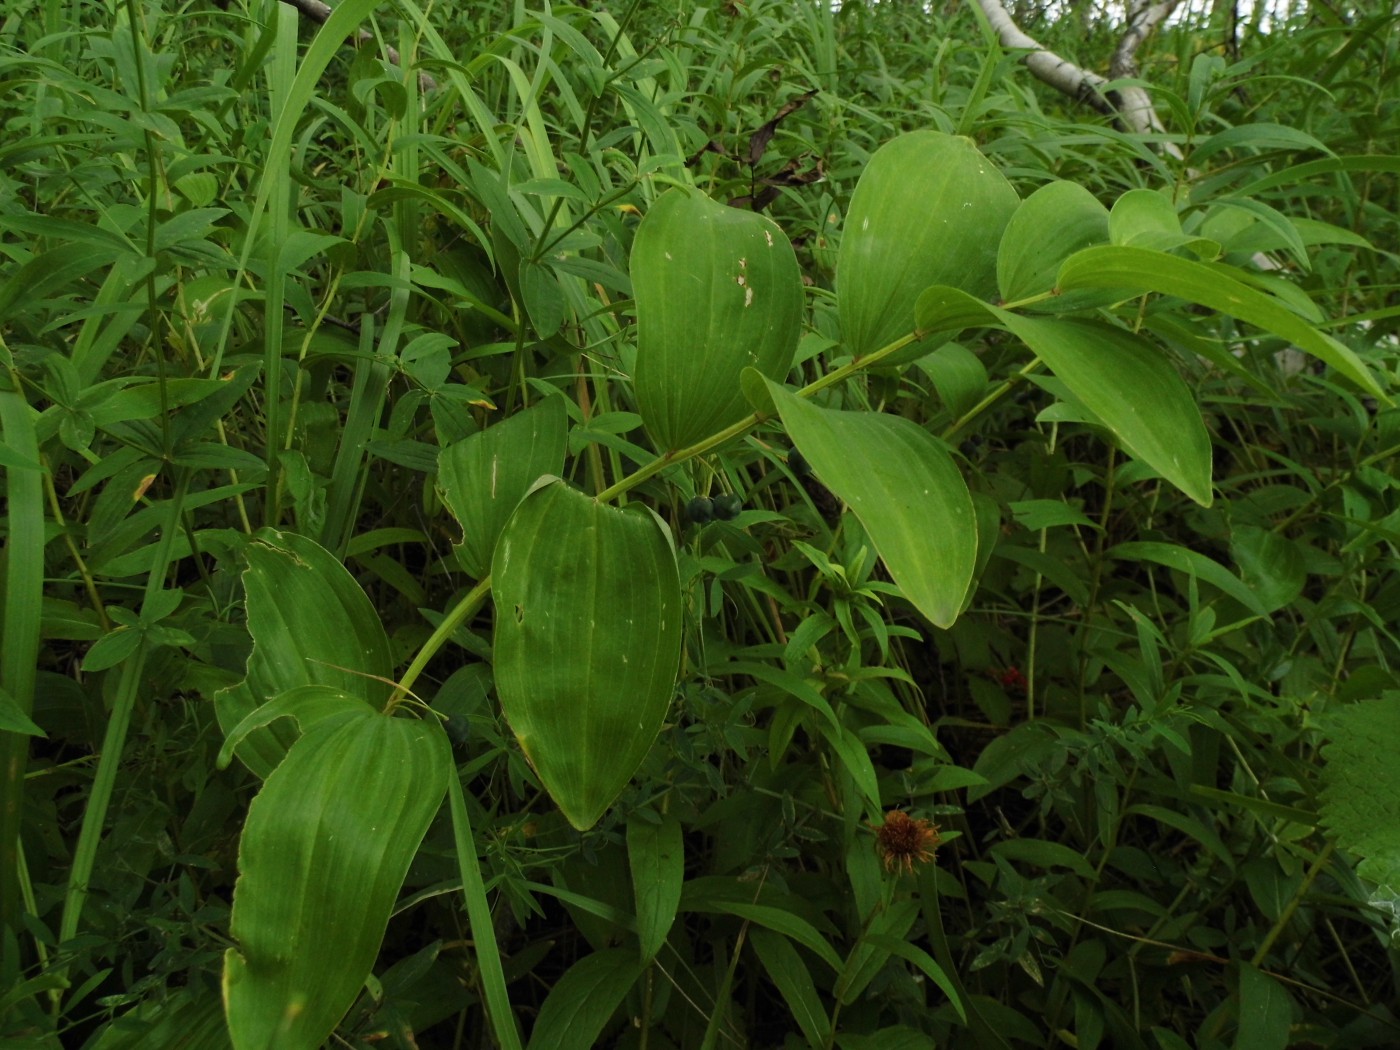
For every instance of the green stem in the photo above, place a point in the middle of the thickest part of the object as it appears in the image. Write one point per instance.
(465, 609)
(1299, 894)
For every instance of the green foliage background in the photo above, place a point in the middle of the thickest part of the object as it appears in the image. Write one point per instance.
(259, 287)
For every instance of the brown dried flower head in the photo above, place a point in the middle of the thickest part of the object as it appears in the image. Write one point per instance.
(904, 841)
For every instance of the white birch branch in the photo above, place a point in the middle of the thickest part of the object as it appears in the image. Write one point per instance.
(1131, 105)
(317, 12)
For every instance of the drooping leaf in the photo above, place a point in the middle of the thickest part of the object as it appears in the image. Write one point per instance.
(485, 475)
(657, 856)
(325, 848)
(1135, 271)
(587, 641)
(905, 489)
(928, 209)
(718, 290)
(957, 374)
(1120, 378)
(786, 969)
(1133, 389)
(311, 625)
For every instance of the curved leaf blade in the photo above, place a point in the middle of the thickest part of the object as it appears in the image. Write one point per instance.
(1119, 377)
(580, 1004)
(485, 475)
(311, 625)
(905, 489)
(786, 969)
(1133, 389)
(1054, 222)
(1135, 271)
(327, 843)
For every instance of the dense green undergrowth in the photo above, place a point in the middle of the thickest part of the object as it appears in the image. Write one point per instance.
(289, 331)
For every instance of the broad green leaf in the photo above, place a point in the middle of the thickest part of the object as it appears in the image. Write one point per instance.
(580, 1003)
(1136, 271)
(306, 705)
(311, 625)
(587, 642)
(928, 209)
(484, 476)
(718, 290)
(1133, 389)
(1125, 382)
(957, 374)
(657, 856)
(786, 969)
(1050, 225)
(1266, 1014)
(186, 1019)
(905, 489)
(1361, 792)
(325, 848)
(1146, 219)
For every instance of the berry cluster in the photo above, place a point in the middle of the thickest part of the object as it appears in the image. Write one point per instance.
(725, 508)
